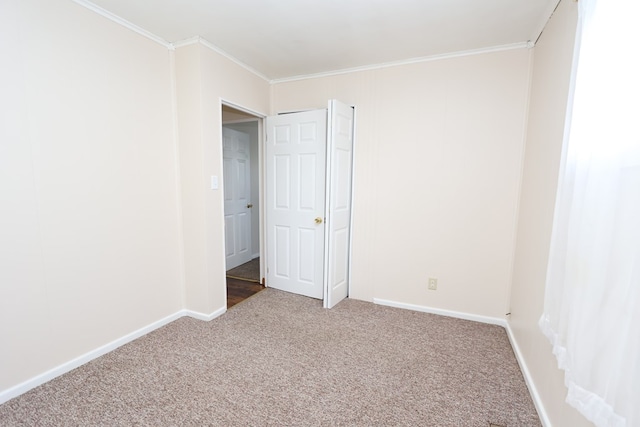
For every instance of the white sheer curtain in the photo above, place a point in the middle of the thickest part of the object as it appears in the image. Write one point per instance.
(592, 301)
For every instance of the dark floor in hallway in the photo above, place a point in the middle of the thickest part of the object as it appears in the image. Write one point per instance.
(239, 290)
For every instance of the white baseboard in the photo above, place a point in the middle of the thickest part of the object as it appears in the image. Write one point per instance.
(25, 386)
(17, 390)
(449, 313)
(535, 396)
(205, 317)
(533, 391)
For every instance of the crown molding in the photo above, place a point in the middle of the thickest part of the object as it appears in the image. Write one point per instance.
(118, 20)
(171, 46)
(550, 9)
(199, 40)
(186, 42)
(216, 49)
(405, 62)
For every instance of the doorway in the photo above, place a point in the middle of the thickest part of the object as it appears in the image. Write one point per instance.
(318, 249)
(309, 171)
(241, 168)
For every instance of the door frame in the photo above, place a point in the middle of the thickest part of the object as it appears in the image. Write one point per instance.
(260, 117)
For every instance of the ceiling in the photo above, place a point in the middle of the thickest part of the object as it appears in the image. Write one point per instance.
(286, 38)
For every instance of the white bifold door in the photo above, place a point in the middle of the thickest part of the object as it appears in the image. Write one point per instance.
(237, 197)
(309, 158)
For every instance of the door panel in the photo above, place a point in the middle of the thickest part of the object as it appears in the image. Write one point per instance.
(307, 180)
(339, 182)
(281, 255)
(237, 197)
(307, 239)
(282, 187)
(295, 191)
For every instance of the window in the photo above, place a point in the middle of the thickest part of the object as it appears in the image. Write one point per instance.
(592, 300)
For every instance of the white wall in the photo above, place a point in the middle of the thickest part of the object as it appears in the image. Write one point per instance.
(93, 220)
(549, 91)
(204, 79)
(437, 169)
(88, 214)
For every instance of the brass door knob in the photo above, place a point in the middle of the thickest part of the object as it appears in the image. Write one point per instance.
(250, 205)
(318, 220)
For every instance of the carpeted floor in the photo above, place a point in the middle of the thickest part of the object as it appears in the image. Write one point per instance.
(279, 359)
(248, 271)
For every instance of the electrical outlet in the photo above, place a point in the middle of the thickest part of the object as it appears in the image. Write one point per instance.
(433, 283)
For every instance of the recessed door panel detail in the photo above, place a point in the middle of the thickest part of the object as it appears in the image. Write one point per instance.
(306, 249)
(282, 134)
(230, 241)
(243, 185)
(340, 257)
(227, 142)
(228, 166)
(307, 182)
(308, 133)
(282, 182)
(244, 227)
(342, 193)
(344, 126)
(282, 241)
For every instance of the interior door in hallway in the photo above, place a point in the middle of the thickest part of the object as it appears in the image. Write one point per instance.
(237, 197)
(295, 201)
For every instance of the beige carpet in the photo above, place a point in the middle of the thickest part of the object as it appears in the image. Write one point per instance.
(249, 271)
(279, 359)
